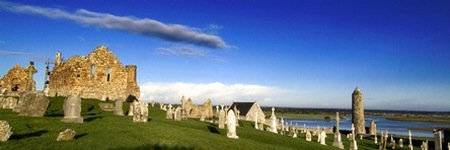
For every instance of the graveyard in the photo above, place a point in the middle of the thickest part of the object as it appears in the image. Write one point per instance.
(105, 130)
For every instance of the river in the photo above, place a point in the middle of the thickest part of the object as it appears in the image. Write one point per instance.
(394, 127)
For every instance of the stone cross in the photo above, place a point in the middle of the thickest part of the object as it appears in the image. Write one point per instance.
(353, 144)
(392, 142)
(231, 125)
(273, 124)
(337, 135)
(169, 112)
(72, 109)
(437, 140)
(282, 126)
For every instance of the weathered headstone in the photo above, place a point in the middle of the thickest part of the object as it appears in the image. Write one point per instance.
(26, 95)
(323, 137)
(5, 131)
(222, 119)
(373, 128)
(118, 108)
(169, 112)
(106, 106)
(231, 125)
(376, 139)
(392, 142)
(424, 145)
(140, 111)
(34, 105)
(308, 136)
(337, 135)
(72, 109)
(353, 143)
(177, 115)
(410, 140)
(8, 102)
(437, 140)
(400, 142)
(66, 135)
(130, 110)
(273, 123)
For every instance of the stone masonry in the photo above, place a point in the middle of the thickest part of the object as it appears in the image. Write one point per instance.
(358, 111)
(99, 75)
(18, 80)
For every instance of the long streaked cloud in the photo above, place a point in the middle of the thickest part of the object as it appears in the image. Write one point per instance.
(218, 92)
(145, 26)
(29, 56)
(181, 51)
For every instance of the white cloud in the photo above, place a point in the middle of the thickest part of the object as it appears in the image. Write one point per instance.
(181, 51)
(145, 26)
(219, 93)
(26, 55)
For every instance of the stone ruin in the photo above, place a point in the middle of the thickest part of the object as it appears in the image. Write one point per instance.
(8, 102)
(140, 111)
(5, 131)
(18, 80)
(196, 111)
(358, 111)
(32, 104)
(100, 75)
(72, 109)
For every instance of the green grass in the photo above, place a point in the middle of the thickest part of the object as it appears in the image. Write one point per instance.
(104, 130)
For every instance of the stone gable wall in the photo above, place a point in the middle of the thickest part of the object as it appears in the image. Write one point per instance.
(15, 76)
(88, 76)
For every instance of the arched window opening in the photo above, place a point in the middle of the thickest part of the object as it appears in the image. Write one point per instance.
(108, 74)
(92, 70)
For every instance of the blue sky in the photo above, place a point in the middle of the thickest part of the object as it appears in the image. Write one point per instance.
(279, 53)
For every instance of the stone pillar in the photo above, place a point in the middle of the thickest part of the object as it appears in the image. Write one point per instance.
(358, 112)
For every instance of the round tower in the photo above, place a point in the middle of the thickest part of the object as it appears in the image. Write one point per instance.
(358, 111)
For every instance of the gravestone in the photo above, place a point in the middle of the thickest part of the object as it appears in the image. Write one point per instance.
(34, 105)
(8, 102)
(308, 136)
(177, 115)
(153, 103)
(282, 126)
(410, 140)
(337, 134)
(424, 145)
(392, 142)
(400, 143)
(5, 131)
(273, 123)
(373, 128)
(72, 109)
(376, 139)
(323, 137)
(118, 108)
(222, 119)
(231, 125)
(437, 140)
(66, 135)
(106, 106)
(140, 111)
(26, 95)
(169, 113)
(353, 143)
(130, 109)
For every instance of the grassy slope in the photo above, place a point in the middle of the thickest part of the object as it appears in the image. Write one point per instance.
(103, 130)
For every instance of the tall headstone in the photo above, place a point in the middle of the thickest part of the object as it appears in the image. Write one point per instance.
(392, 142)
(169, 113)
(282, 125)
(177, 114)
(130, 110)
(140, 111)
(337, 135)
(35, 105)
(358, 111)
(118, 108)
(424, 145)
(222, 118)
(231, 125)
(308, 136)
(353, 143)
(72, 109)
(400, 143)
(410, 140)
(437, 140)
(5, 131)
(323, 137)
(373, 128)
(376, 139)
(273, 122)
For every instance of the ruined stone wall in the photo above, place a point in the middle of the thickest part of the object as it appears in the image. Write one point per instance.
(99, 75)
(17, 81)
(358, 112)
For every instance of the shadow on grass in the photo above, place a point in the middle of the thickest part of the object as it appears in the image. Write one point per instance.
(54, 113)
(91, 108)
(149, 119)
(27, 135)
(89, 119)
(80, 135)
(157, 147)
(213, 129)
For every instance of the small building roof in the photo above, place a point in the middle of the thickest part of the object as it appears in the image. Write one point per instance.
(243, 107)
